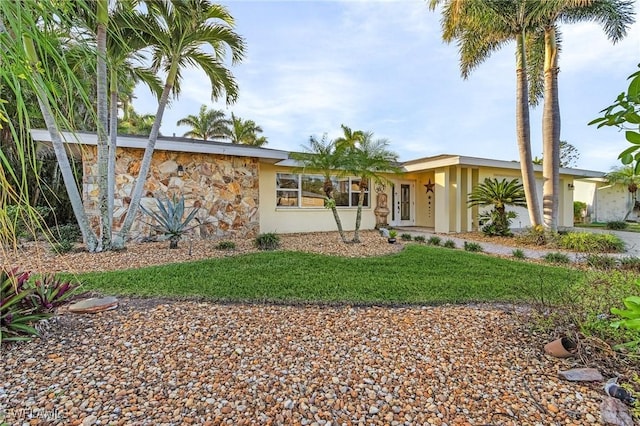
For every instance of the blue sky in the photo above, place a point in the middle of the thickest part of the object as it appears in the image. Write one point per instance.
(381, 66)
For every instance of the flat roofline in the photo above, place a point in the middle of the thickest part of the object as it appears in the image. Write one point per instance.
(168, 144)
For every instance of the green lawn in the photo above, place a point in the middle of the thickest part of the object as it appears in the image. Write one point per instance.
(418, 274)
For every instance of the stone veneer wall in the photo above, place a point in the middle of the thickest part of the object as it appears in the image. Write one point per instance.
(224, 188)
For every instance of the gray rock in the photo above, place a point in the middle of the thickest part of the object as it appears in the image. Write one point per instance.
(614, 412)
(93, 305)
(581, 375)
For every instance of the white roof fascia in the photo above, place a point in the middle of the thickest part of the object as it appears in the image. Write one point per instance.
(168, 145)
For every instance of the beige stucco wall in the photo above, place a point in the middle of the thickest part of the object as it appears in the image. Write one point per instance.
(225, 190)
(605, 202)
(309, 219)
(565, 198)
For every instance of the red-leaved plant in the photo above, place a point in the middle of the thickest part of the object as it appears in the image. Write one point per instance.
(23, 302)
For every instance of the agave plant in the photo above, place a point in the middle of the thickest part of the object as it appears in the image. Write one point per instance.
(169, 219)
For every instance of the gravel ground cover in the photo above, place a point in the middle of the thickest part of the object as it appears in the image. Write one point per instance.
(37, 256)
(159, 362)
(164, 362)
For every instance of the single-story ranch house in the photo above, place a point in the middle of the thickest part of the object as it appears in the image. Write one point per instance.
(244, 190)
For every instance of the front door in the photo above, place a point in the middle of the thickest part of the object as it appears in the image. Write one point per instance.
(403, 202)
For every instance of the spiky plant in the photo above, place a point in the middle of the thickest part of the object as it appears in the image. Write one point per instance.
(169, 219)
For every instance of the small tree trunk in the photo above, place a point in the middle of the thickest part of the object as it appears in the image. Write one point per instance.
(356, 234)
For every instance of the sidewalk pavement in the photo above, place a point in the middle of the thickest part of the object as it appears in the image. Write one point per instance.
(631, 240)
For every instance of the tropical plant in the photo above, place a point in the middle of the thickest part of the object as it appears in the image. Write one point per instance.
(626, 175)
(226, 245)
(406, 237)
(629, 318)
(615, 16)
(325, 157)
(579, 209)
(556, 257)
(434, 240)
(177, 32)
(616, 225)
(472, 247)
(368, 159)
(420, 239)
(23, 54)
(25, 302)
(208, 124)
(170, 220)
(518, 254)
(624, 114)
(590, 242)
(245, 132)
(482, 27)
(449, 244)
(136, 124)
(499, 195)
(267, 241)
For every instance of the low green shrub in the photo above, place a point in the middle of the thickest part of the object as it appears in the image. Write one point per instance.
(472, 247)
(535, 235)
(226, 245)
(26, 301)
(518, 254)
(601, 261)
(434, 240)
(595, 302)
(616, 225)
(589, 242)
(419, 238)
(268, 241)
(62, 246)
(406, 237)
(555, 257)
(26, 222)
(449, 244)
(69, 232)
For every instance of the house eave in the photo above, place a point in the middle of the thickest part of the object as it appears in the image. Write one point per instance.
(168, 144)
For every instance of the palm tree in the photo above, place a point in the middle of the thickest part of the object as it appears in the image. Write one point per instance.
(177, 30)
(245, 132)
(19, 51)
(482, 27)
(322, 156)
(349, 138)
(136, 124)
(615, 16)
(626, 175)
(498, 194)
(368, 159)
(208, 124)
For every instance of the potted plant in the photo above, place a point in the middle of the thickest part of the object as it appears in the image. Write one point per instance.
(392, 236)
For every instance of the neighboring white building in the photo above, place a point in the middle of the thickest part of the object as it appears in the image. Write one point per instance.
(605, 202)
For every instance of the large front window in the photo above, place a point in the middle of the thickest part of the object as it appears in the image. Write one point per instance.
(300, 190)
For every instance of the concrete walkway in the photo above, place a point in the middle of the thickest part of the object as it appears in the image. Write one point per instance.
(631, 240)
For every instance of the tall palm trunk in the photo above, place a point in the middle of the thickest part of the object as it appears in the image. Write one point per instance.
(121, 237)
(523, 134)
(551, 131)
(113, 136)
(102, 124)
(89, 237)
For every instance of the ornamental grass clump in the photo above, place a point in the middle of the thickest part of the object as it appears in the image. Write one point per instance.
(268, 241)
(434, 240)
(25, 301)
(589, 242)
(406, 237)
